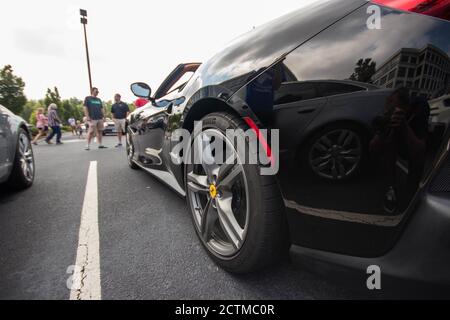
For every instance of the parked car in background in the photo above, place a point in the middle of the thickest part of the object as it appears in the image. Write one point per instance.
(354, 188)
(109, 127)
(17, 168)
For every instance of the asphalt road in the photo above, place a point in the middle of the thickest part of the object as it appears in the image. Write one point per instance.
(148, 247)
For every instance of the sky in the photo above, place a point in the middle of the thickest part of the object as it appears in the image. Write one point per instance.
(129, 40)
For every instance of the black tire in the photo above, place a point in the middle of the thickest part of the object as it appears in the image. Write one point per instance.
(266, 240)
(305, 151)
(130, 148)
(18, 179)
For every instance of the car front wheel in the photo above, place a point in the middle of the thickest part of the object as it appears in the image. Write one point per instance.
(237, 212)
(22, 175)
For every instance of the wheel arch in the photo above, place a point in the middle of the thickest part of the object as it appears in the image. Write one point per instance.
(24, 126)
(204, 107)
(214, 99)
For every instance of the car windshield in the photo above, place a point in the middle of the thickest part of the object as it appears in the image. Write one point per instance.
(181, 82)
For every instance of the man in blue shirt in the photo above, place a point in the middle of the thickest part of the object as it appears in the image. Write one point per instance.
(120, 112)
(95, 114)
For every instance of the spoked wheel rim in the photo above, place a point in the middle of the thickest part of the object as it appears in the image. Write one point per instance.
(26, 157)
(218, 196)
(336, 154)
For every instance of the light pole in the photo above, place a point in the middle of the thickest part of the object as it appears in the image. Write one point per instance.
(83, 14)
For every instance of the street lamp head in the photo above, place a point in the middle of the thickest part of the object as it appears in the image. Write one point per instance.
(83, 14)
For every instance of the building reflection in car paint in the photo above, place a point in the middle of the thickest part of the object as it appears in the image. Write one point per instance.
(353, 107)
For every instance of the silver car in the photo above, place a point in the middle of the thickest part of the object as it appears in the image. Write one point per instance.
(16, 154)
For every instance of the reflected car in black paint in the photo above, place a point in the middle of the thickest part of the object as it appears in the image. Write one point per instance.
(346, 125)
(109, 127)
(363, 176)
(16, 153)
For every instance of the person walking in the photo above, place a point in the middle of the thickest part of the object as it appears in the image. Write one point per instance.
(41, 124)
(120, 112)
(79, 130)
(73, 124)
(86, 124)
(95, 114)
(55, 123)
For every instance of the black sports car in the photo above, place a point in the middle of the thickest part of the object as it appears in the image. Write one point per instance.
(363, 174)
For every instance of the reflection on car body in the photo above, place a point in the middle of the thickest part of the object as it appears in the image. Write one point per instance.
(363, 137)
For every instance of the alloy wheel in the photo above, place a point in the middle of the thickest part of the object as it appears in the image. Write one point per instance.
(218, 195)
(26, 157)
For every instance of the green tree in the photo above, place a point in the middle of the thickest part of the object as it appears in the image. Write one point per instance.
(132, 106)
(107, 105)
(77, 106)
(67, 110)
(11, 90)
(364, 70)
(53, 97)
(72, 107)
(32, 118)
(29, 111)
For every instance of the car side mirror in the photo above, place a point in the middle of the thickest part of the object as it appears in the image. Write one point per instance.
(141, 90)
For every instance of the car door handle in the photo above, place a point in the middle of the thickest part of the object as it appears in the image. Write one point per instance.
(304, 111)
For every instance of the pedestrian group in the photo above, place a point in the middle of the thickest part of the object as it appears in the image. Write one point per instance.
(93, 121)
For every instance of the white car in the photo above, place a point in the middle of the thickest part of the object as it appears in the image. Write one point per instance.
(109, 127)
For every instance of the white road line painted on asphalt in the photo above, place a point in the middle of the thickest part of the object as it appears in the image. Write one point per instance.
(88, 252)
(41, 142)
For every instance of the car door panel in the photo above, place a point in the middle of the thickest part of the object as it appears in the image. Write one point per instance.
(292, 120)
(153, 127)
